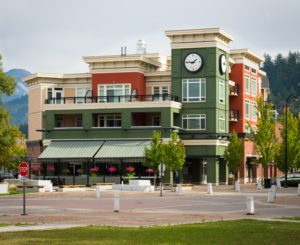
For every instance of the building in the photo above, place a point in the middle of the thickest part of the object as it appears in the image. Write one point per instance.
(105, 118)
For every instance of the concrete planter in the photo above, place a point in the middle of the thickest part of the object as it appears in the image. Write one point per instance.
(4, 189)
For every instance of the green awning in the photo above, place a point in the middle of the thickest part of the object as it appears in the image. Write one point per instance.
(71, 149)
(120, 149)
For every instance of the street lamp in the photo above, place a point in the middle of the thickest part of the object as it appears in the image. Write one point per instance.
(286, 137)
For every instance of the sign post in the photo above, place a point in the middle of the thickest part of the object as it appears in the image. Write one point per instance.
(23, 171)
(161, 169)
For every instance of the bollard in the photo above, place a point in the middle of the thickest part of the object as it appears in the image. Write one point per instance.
(179, 190)
(98, 191)
(259, 187)
(299, 189)
(250, 205)
(209, 188)
(116, 202)
(270, 197)
(273, 188)
(278, 183)
(237, 186)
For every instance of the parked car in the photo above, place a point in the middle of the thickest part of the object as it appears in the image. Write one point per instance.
(4, 176)
(293, 179)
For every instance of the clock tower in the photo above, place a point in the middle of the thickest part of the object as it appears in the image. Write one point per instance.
(200, 80)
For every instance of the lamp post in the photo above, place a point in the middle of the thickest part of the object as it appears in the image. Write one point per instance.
(286, 138)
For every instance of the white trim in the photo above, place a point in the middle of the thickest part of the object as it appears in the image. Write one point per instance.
(205, 142)
(121, 105)
(194, 116)
(222, 83)
(247, 92)
(253, 78)
(187, 81)
(247, 100)
(222, 118)
(214, 44)
(252, 114)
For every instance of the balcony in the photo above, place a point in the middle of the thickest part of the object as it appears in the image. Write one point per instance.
(112, 99)
(234, 90)
(233, 115)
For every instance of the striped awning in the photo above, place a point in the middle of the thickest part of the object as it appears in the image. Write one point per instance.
(117, 149)
(71, 149)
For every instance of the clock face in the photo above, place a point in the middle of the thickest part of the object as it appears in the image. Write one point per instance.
(223, 65)
(193, 62)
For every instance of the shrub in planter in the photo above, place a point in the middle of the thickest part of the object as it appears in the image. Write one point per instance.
(12, 188)
(291, 182)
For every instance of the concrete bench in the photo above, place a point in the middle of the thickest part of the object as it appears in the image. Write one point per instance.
(104, 186)
(68, 188)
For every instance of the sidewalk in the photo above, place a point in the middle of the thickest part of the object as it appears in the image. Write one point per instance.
(63, 210)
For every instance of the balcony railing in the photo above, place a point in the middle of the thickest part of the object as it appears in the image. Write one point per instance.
(111, 99)
(234, 115)
(234, 90)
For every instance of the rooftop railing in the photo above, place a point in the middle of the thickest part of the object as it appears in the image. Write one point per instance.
(234, 115)
(111, 99)
(234, 90)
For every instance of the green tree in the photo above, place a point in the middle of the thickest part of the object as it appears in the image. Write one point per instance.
(293, 146)
(234, 153)
(173, 155)
(9, 134)
(153, 155)
(7, 84)
(264, 138)
(284, 75)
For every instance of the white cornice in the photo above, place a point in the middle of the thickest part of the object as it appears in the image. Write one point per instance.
(57, 76)
(213, 44)
(205, 142)
(247, 54)
(204, 31)
(158, 74)
(123, 105)
(119, 58)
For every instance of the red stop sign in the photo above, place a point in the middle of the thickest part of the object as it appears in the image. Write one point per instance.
(23, 169)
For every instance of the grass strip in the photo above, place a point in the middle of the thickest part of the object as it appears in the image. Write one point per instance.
(223, 232)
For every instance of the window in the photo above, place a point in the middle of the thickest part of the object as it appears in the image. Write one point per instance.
(253, 86)
(197, 121)
(194, 90)
(81, 93)
(49, 95)
(222, 126)
(247, 109)
(247, 129)
(78, 121)
(222, 92)
(68, 121)
(253, 111)
(156, 120)
(114, 93)
(247, 84)
(59, 121)
(109, 121)
(160, 93)
(247, 68)
(253, 70)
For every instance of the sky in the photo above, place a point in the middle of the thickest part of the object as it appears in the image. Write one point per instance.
(54, 35)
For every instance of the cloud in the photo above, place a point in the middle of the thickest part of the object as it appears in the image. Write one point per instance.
(53, 35)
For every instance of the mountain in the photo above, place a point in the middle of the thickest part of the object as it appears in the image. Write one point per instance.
(18, 109)
(17, 104)
(21, 88)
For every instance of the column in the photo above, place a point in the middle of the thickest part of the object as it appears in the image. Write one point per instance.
(223, 167)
